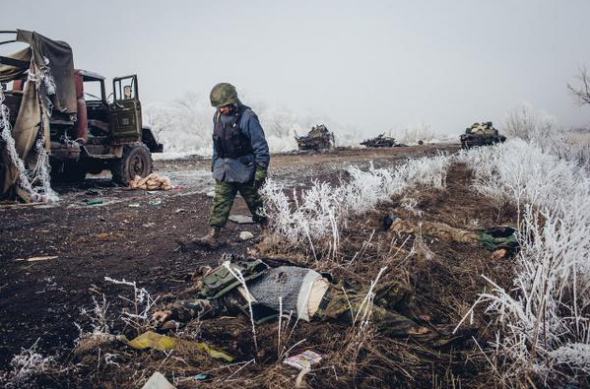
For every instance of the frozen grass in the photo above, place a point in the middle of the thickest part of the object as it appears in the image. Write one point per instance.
(25, 366)
(544, 318)
(415, 133)
(317, 216)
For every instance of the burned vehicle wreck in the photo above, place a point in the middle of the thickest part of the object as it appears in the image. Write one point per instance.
(319, 138)
(481, 134)
(380, 141)
(61, 116)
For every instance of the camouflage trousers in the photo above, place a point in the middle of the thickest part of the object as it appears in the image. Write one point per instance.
(225, 193)
(390, 298)
(186, 310)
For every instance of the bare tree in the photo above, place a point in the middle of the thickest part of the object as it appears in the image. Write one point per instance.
(581, 91)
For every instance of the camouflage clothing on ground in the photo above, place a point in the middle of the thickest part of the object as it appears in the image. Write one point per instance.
(390, 297)
(339, 304)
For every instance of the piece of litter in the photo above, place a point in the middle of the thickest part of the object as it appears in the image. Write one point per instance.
(211, 194)
(149, 225)
(246, 235)
(241, 219)
(180, 210)
(37, 259)
(133, 205)
(179, 187)
(94, 201)
(158, 381)
(303, 361)
(155, 202)
(201, 376)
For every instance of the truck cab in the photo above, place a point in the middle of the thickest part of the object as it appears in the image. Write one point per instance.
(102, 132)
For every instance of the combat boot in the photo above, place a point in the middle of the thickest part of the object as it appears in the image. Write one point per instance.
(211, 239)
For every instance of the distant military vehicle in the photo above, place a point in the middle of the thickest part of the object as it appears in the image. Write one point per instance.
(319, 138)
(88, 131)
(481, 134)
(380, 141)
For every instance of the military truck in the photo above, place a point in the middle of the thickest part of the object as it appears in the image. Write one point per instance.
(319, 138)
(88, 130)
(379, 141)
(481, 134)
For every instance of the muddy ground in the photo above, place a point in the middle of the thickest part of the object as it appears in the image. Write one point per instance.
(130, 235)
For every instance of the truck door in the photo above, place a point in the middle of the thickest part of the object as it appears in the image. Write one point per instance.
(125, 111)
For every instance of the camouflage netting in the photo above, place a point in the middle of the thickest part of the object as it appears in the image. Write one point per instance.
(25, 144)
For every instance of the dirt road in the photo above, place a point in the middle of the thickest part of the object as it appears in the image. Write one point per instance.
(130, 235)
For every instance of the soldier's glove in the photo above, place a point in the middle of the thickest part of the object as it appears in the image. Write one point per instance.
(260, 176)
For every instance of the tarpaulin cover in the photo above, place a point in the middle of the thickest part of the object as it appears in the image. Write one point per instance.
(50, 78)
(58, 57)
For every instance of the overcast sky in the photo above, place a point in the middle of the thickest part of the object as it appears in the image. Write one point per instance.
(372, 65)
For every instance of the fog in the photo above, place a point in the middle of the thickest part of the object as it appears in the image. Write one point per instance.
(370, 67)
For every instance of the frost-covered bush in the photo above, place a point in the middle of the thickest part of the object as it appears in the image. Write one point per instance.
(317, 215)
(544, 318)
(414, 133)
(524, 123)
(185, 125)
(26, 365)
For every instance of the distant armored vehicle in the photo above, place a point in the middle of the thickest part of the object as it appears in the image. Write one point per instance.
(380, 141)
(319, 138)
(481, 134)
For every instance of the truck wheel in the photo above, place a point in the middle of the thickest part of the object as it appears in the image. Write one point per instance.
(136, 161)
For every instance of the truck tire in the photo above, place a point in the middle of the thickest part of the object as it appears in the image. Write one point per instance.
(136, 160)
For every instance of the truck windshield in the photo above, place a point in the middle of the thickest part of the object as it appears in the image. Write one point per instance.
(92, 91)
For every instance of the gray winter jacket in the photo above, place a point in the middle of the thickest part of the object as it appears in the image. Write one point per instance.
(241, 170)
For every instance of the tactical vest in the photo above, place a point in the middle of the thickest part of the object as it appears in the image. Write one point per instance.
(230, 141)
(220, 281)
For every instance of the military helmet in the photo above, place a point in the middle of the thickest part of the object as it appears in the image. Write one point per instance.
(223, 94)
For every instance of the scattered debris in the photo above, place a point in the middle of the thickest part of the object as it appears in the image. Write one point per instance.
(319, 138)
(246, 235)
(151, 182)
(380, 141)
(37, 259)
(180, 210)
(155, 202)
(133, 205)
(94, 201)
(158, 381)
(241, 219)
(211, 194)
(149, 225)
(304, 360)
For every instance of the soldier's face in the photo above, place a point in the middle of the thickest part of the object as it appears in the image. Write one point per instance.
(225, 109)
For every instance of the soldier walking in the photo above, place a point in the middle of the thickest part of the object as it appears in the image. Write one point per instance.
(240, 159)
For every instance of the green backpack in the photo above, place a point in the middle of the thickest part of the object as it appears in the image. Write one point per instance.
(220, 280)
